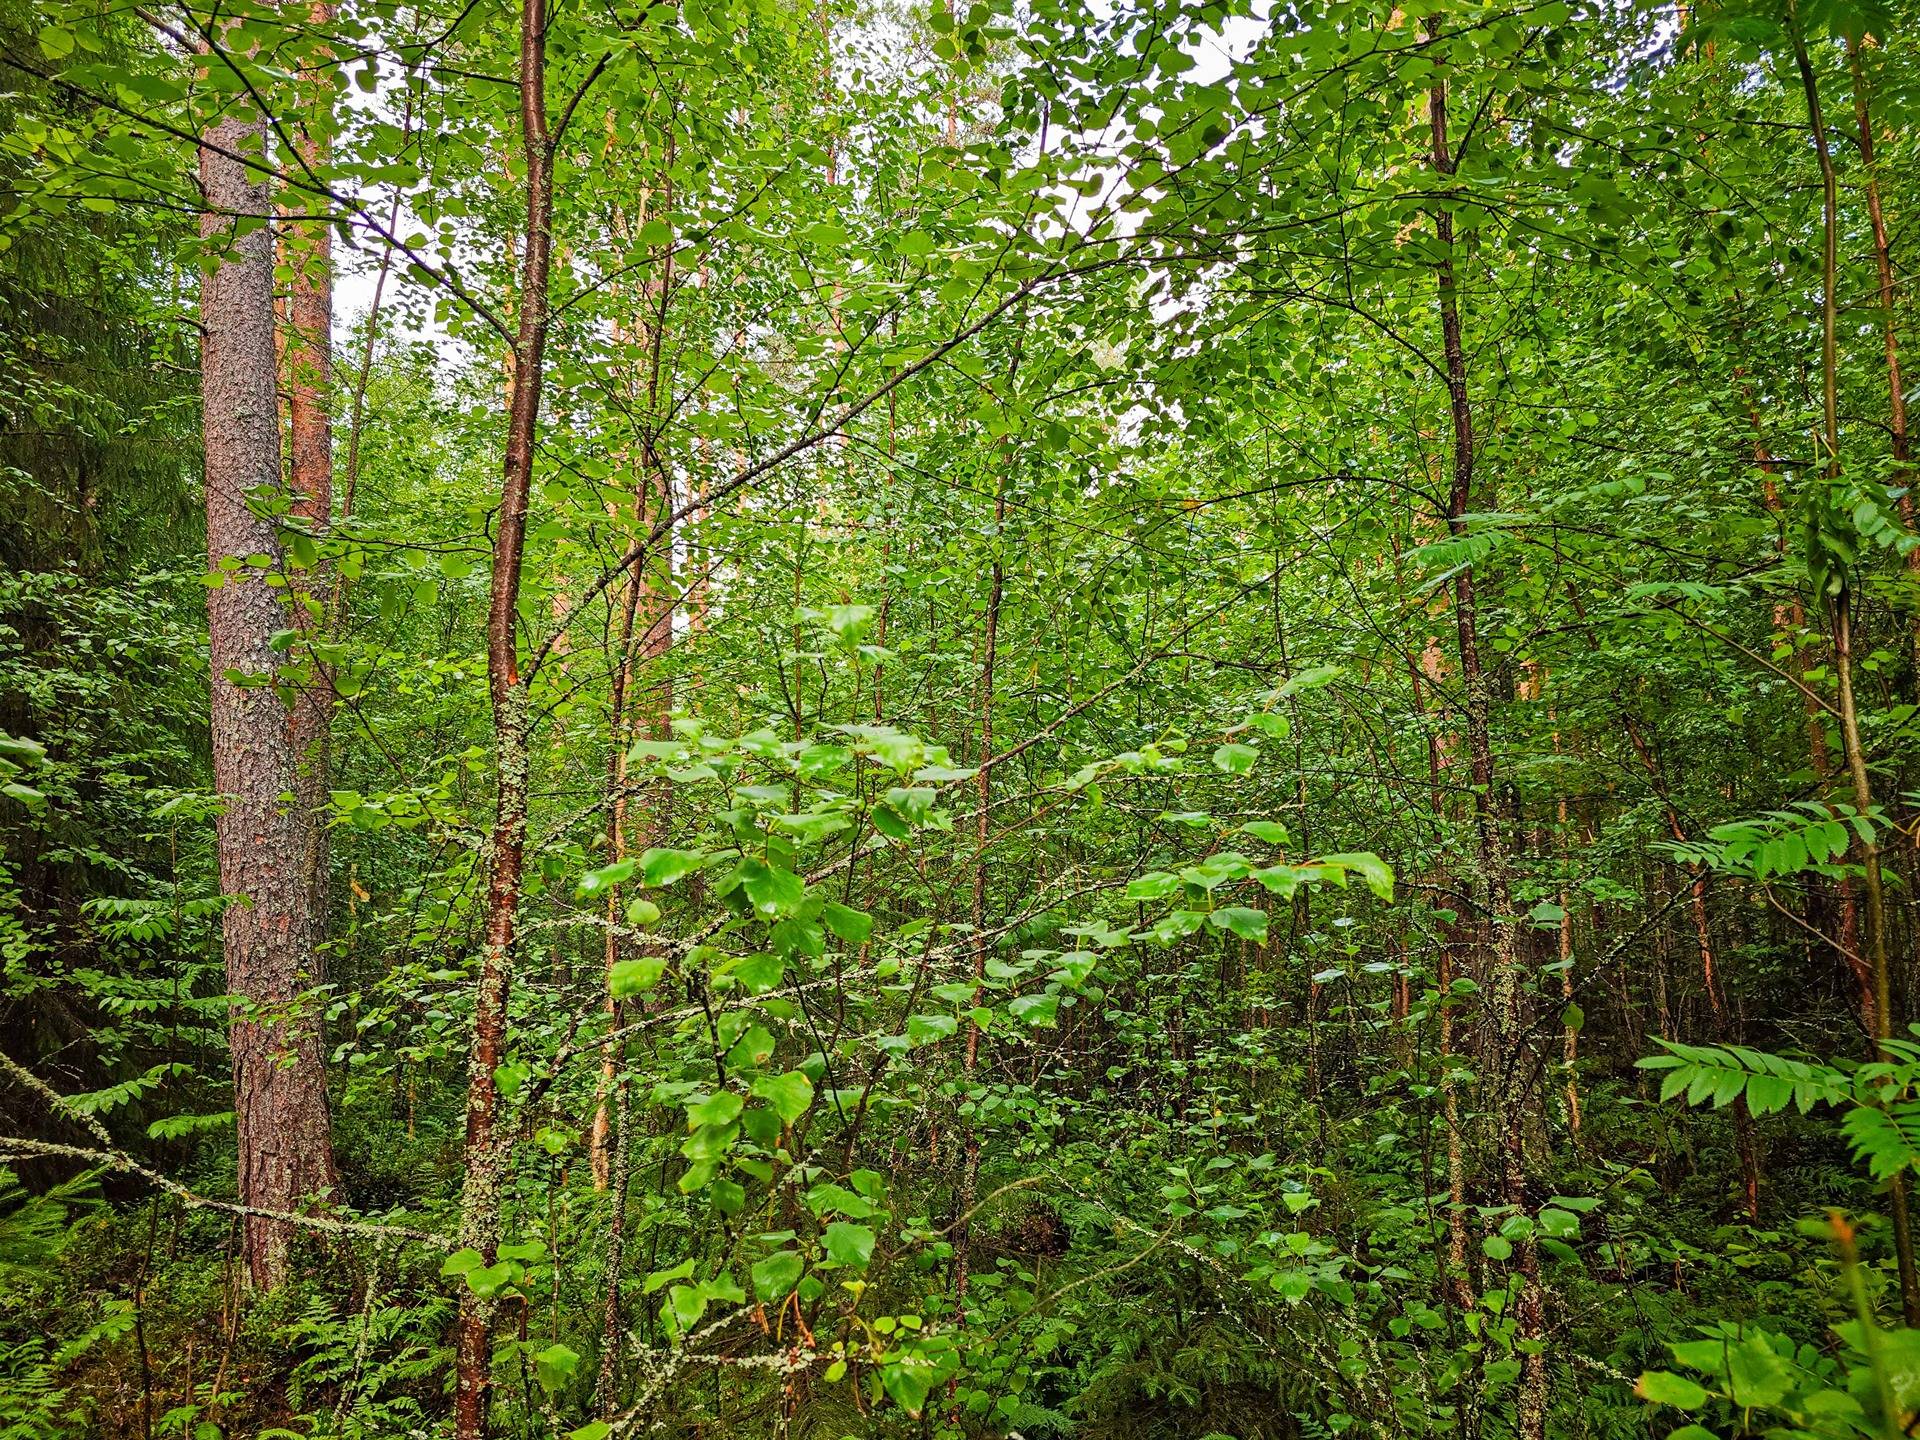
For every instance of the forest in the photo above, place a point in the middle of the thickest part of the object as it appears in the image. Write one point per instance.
(1039, 719)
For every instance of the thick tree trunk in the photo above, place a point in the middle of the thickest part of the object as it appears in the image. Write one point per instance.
(489, 1143)
(310, 464)
(265, 847)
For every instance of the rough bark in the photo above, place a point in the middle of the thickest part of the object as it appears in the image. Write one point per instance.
(309, 353)
(270, 930)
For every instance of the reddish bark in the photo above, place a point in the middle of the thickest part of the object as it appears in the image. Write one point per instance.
(265, 848)
(489, 1144)
(309, 353)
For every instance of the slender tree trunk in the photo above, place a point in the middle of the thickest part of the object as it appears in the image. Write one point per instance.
(1789, 619)
(1569, 1032)
(1459, 1285)
(983, 783)
(649, 609)
(1508, 1061)
(1889, 330)
(488, 1142)
(270, 931)
(1842, 607)
(1876, 929)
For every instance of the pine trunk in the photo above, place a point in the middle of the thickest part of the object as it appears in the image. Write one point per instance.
(270, 931)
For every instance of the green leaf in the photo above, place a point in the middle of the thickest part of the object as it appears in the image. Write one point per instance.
(1155, 885)
(774, 891)
(925, 1029)
(598, 882)
(1247, 923)
(554, 1366)
(848, 1244)
(1559, 1224)
(1663, 1387)
(1292, 1286)
(720, 1108)
(460, 1262)
(760, 973)
(662, 867)
(662, 1277)
(755, 1047)
(797, 937)
(634, 977)
(1235, 759)
(1037, 1010)
(489, 1280)
(1312, 679)
(789, 1094)
(852, 926)
(1370, 868)
(775, 1276)
(1271, 831)
(686, 1304)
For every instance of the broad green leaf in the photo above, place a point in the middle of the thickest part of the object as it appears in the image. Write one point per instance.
(1235, 759)
(635, 977)
(775, 1276)
(555, 1365)
(852, 926)
(663, 867)
(1663, 1387)
(1246, 923)
(848, 1244)
(773, 890)
(789, 1094)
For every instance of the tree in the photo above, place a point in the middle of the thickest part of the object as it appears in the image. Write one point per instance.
(266, 839)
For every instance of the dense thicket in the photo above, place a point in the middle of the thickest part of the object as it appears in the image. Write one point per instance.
(1179, 720)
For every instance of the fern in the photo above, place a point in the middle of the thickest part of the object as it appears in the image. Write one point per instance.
(34, 1229)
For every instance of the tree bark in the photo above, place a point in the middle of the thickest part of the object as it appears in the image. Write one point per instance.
(310, 462)
(1842, 610)
(1506, 988)
(270, 930)
(1889, 331)
(488, 1143)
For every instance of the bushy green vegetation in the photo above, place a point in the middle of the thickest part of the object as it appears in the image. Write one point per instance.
(1142, 722)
